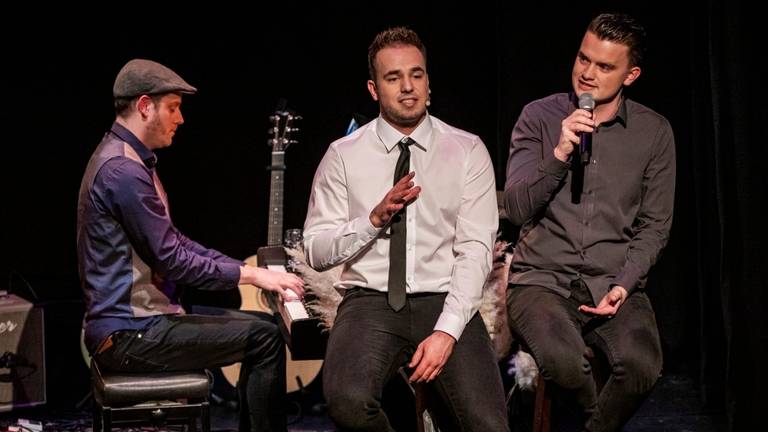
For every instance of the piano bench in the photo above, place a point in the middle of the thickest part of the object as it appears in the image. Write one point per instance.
(155, 398)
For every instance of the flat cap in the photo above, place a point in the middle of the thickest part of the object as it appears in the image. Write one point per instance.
(139, 77)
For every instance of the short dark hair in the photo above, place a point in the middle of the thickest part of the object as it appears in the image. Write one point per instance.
(395, 36)
(123, 106)
(621, 28)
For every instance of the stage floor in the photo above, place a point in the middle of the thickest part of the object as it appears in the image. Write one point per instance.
(673, 405)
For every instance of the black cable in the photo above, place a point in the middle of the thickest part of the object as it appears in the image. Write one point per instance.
(28, 285)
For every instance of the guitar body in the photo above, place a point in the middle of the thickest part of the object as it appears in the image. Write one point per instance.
(298, 373)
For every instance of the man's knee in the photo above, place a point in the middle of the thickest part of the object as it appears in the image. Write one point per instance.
(639, 372)
(266, 341)
(639, 363)
(568, 369)
(351, 409)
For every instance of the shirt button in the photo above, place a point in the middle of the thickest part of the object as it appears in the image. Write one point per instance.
(410, 247)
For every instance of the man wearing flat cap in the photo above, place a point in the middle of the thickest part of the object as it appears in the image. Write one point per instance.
(131, 257)
(140, 77)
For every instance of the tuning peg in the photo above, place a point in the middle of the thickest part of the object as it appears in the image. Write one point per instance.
(293, 129)
(292, 141)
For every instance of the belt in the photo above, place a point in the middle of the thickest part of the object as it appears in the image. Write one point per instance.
(409, 295)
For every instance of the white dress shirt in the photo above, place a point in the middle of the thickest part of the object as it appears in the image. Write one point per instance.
(451, 227)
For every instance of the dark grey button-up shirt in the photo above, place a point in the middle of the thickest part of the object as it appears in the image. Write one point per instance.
(615, 232)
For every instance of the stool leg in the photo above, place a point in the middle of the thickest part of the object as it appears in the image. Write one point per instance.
(106, 419)
(421, 406)
(97, 426)
(542, 407)
(205, 417)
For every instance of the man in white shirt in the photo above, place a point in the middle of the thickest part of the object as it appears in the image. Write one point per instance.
(415, 255)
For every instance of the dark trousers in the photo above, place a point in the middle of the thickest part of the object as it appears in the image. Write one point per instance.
(368, 344)
(557, 335)
(184, 342)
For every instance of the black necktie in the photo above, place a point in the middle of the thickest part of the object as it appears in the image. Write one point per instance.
(396, 288)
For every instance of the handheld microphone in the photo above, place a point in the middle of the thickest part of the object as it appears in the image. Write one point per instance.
(586, 102)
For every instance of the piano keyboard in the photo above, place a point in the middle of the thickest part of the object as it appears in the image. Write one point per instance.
(294, 307)
(301, 330)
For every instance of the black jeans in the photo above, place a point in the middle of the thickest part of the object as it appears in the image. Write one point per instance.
(184, 342)
(557, 334)
(369, 342)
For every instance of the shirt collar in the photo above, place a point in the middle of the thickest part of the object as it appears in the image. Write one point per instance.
(621, 113)
(620, 116)
(147, 156)
(390, 136)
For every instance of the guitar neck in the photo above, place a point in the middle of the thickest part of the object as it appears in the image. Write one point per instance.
(277, 169)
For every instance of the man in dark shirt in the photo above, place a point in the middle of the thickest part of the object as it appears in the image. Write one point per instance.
(593, 222)
(131, 256)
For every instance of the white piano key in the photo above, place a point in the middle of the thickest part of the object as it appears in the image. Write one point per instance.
(295, 309)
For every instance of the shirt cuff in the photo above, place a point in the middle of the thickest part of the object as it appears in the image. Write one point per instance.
(230, 272)
(234, 261)
(554, 166)
(628, 277)
(365, 228)
(451, 324)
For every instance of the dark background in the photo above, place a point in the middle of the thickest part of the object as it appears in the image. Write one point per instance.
(486, 61)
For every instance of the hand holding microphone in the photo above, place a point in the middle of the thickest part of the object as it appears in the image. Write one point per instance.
(574, 128)
(587, 103)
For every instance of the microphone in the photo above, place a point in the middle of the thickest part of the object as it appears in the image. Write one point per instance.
(586, 102)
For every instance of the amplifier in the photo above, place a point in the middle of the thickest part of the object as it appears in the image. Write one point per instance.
(22, 354)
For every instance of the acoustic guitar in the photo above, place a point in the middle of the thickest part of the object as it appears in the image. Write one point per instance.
(299, 373)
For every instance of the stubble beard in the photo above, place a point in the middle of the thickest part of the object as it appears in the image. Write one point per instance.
(405, 118)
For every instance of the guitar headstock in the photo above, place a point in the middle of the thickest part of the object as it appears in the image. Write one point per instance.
(282, 129)
(281, 134)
